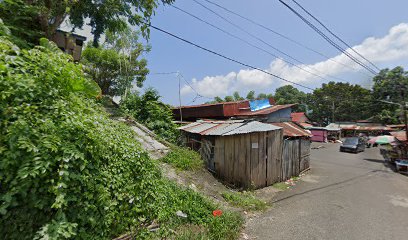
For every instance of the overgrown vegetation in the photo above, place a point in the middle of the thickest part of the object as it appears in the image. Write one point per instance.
(150, 111)
(281, 186)
(69, 172)
(245, 200)
(184, 159)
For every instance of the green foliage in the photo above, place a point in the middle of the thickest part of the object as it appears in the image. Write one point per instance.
(245, 200)
(69, 172)
(154, 114)
(251, 95)
(390, 85)
(289, 95)
(115, 65)
(31, 18)
(17, 17)
(339, 102)
(280, 186)
(237, 97)
(184, 159)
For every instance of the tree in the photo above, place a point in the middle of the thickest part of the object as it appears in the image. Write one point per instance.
(339, 102)
(237, 97)
(228, 99)
(290, 95)
(46, 16)
(389, 85)
(264, 95)
(115, 65)
(251, 95)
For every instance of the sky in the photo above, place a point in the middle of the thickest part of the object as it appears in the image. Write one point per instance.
(376, 29)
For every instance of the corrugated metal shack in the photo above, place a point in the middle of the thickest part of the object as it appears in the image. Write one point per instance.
(242, 153)
(296, 150)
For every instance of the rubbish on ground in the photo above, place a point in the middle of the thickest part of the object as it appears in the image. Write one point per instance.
(318, 147)
(217, 213)
(181, 214)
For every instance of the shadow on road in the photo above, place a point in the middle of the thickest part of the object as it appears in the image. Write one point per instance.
(367, 174)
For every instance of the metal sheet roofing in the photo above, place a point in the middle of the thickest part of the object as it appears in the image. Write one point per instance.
(292, 130)
(399, 135)
(226, 128)
(266, 111)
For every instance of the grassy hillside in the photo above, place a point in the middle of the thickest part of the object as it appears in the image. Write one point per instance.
(69, 172)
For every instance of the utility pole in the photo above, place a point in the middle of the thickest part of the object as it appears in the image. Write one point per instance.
(179, 80)
(404, 111)
(333, 111)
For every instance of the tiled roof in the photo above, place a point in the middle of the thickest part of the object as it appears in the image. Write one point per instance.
(226, 128)
(292, 130)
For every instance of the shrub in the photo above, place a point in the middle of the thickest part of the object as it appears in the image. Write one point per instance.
(184, 159)
(66, 170)
(246, 200)
(150, 111)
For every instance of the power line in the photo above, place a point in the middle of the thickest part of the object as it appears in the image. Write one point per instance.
(259, 39)
(280, 35)
(180, 75)
(336, 36)
(225, 57)
(328, 39)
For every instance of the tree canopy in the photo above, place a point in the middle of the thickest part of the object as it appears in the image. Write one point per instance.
(115, 65)
(389, 85)
(339, 102)
(45, 17)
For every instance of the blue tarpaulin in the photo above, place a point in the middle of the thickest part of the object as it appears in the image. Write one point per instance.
(259, 104)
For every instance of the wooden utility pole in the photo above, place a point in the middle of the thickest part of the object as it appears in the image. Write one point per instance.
(181, 114)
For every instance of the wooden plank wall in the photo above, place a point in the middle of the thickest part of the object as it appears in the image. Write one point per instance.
(305, 155)
(295, 157)
(249, 160)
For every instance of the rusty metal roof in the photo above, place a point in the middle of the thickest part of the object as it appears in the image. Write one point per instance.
(400, 136)
(266, 111)
(292, 130)
(226, 128)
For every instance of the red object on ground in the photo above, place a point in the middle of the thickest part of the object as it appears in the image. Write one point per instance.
(217, 213)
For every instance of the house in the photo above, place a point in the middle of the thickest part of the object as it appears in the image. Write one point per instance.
(247, 153)
(301, 119)
(69, 43)
(262, 110)
(242, 153)
(325, 134)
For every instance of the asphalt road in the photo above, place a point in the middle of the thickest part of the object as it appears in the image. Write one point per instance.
(344, 196)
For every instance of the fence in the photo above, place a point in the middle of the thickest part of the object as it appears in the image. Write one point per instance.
(295, 158)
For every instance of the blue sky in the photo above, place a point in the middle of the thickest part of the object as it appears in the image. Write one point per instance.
(378, 29)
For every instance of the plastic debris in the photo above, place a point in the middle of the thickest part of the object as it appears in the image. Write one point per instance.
(217, 213)
(181, 214)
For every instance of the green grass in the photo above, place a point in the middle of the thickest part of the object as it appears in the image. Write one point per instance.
(184, 159)
(245, 200)
(280, 186)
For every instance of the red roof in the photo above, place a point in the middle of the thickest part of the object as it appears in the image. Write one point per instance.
(223, 110)
(401, 136)
(292, 130)
(305, 125)
(266, 111)
(299, 117)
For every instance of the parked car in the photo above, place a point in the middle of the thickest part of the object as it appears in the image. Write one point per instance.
(353, 144)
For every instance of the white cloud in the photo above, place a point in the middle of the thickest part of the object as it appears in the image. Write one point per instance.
(392, 47)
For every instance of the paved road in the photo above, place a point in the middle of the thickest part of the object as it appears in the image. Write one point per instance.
(345, 196)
